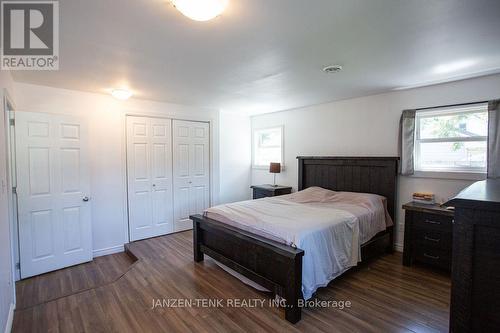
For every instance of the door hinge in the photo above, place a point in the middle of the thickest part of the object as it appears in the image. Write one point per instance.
(12, 122)
(18, 265)
(14, 190)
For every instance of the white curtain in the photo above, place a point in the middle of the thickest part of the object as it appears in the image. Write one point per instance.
(494, 139)
(407, 142)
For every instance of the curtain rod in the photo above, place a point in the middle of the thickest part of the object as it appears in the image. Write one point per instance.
(451, 105)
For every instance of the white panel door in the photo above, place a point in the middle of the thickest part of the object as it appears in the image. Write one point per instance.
(191, 171)
(149, 172)
(53, 189)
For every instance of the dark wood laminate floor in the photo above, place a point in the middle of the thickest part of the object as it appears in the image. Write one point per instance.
(385, 297)
(68, 281)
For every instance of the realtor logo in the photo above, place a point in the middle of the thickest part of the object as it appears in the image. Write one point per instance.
(30, 35)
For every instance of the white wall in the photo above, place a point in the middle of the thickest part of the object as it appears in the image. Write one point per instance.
(7, 293)
(106, 118)
(235, 155)
(368, 126)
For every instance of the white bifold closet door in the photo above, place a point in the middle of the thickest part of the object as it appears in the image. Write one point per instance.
(53, 187)
(191, 157)
(149, 172)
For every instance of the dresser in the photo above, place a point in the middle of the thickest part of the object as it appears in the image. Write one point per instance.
(475, 276)
(262, 191)
(428, 235)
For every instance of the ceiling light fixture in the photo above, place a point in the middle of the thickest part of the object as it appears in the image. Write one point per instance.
(453, 66)
(121, 94)
(200, 10)
(332, 69)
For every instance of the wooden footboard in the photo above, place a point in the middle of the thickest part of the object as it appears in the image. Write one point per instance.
(273, 265)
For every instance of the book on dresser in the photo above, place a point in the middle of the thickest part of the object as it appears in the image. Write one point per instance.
(428, 235)
(424, 198)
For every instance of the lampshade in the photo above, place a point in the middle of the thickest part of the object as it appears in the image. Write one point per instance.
(275, 167)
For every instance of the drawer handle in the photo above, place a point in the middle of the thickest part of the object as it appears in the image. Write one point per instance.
(432, 222)
(431, 257)
(436, 240)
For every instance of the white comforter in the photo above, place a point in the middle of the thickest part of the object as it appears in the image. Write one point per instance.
(329, 236)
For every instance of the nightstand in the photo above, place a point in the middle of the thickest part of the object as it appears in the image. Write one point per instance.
(262, 191)
(428, 235)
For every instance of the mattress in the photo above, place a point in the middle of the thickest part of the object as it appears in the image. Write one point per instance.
(329, 226)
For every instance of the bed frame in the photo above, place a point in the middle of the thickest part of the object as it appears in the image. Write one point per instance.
(278, 267)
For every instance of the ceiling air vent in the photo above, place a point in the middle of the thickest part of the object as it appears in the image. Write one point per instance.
(332, 69)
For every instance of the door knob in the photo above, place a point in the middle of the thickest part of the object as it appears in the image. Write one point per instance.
(85, 198)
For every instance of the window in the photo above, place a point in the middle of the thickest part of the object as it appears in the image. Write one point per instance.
(267, 146)
(452, 139)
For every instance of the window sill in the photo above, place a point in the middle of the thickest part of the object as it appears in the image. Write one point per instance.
(450, 175)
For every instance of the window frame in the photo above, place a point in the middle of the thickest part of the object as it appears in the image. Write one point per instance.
(462, 173)
(254, 131)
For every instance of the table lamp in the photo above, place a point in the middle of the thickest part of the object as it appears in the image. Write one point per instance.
(274, 168)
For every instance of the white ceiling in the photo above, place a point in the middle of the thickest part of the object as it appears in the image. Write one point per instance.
(267, 55)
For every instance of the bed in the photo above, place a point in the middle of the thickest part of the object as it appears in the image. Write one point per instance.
(277, 264)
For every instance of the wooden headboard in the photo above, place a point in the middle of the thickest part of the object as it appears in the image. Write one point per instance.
(376, 175)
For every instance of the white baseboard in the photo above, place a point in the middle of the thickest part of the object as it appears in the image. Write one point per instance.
(10, 318)
(108, 250)
(398, 247)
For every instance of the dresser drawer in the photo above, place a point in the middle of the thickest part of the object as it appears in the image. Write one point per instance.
(257, 194)
(429, 221)
(433, 239)
(440, 257)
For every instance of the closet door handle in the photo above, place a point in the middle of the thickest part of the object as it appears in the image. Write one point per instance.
(432, 222)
